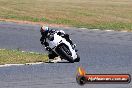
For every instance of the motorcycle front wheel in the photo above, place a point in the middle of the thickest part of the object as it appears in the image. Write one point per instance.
(64, 53)
(77, 59)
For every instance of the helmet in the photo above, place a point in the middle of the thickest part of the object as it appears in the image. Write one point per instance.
(44, 29)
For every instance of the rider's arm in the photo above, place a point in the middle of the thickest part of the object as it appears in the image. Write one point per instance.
(46, 43)
(43, 41)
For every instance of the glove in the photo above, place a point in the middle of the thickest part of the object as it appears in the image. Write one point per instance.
(48, 48)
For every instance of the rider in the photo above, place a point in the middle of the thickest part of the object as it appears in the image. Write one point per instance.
(46, 32)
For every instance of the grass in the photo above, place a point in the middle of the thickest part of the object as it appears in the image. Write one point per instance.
(19, 57)
(102, 14)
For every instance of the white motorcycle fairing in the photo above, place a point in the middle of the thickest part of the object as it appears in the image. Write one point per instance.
(58, 40)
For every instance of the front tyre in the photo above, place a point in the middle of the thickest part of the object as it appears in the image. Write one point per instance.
(62, 51)
(77, 59)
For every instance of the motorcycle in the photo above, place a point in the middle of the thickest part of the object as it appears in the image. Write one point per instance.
(63, 48)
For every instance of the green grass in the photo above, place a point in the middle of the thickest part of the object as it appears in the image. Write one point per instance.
(103, 14)
(19, 57)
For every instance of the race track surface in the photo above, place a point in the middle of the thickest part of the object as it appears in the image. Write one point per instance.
(100, 52)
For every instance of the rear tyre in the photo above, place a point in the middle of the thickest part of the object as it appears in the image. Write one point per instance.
(61, 51)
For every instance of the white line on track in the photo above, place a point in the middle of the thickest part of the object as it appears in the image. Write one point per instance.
(8, 65)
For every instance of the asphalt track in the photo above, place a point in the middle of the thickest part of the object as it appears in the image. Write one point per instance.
(100, 52)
